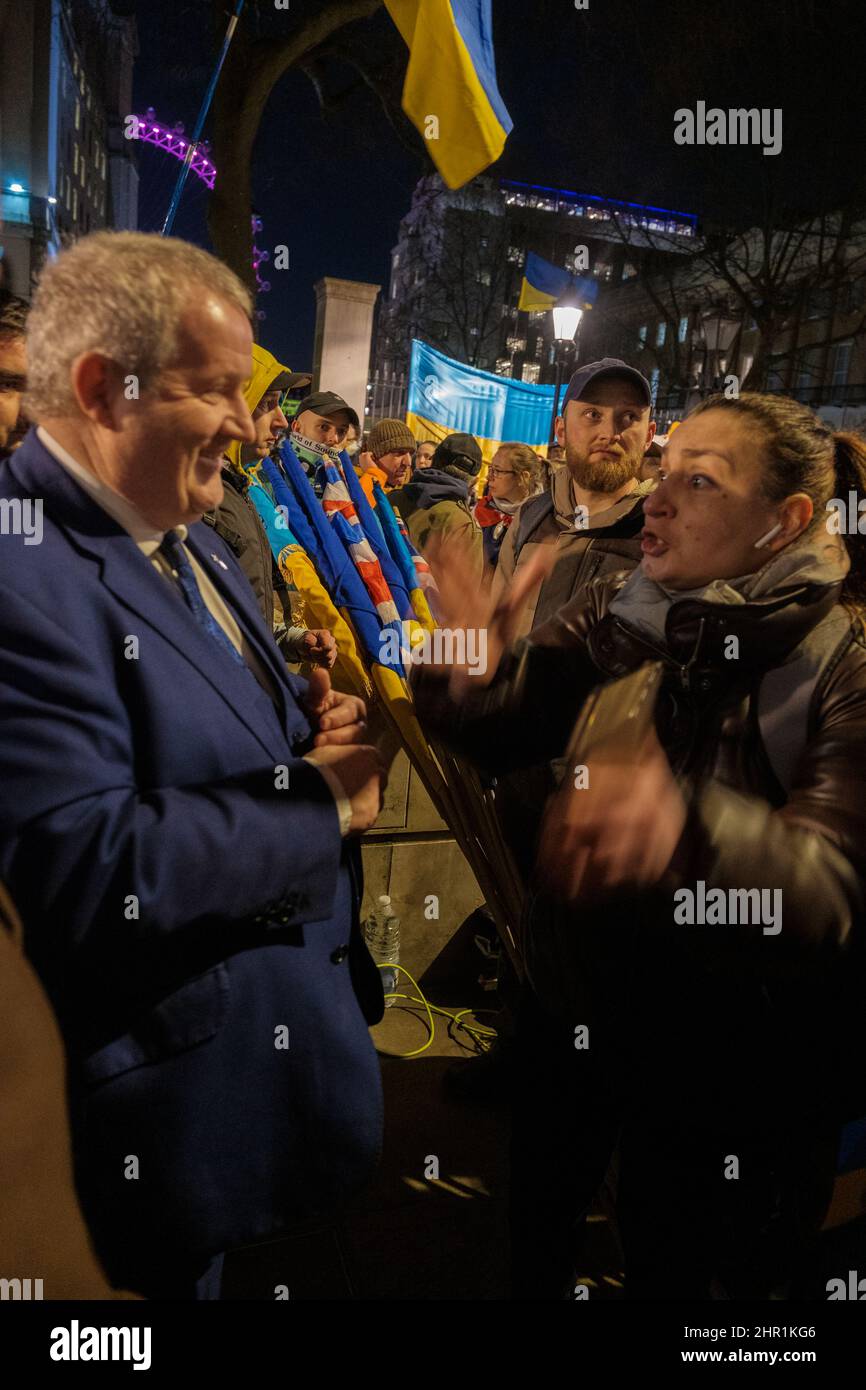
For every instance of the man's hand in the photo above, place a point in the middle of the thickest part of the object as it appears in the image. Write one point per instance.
(318, 647)
(363, 777)
(620, 830)
(338, 718)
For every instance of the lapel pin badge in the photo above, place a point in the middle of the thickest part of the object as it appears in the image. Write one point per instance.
(222, 564)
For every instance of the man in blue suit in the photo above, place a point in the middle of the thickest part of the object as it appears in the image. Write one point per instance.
(175, 805)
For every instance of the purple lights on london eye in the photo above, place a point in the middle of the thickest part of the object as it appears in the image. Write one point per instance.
(172, 140)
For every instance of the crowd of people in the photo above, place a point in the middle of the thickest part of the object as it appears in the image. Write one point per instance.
(181, 809)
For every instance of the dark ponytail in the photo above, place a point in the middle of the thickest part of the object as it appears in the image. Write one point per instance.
(850, 463)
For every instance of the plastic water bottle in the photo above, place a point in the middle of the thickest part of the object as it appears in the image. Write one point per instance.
(382, 935)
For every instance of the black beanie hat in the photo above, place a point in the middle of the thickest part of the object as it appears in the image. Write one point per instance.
(460, 452)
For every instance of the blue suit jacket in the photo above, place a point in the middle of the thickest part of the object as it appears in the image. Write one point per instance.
(188, 915)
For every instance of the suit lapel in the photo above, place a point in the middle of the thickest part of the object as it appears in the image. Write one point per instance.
(236, 591)
(131, 577)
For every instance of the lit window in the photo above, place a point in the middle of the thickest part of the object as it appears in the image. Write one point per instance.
(776, 372)
(515, 255)
(531, 372)
(77, 115)
(654, 384)
(819, 303)
(74, 204)
(683, 329)
(75, 160)
(503, 366)
(841, 363)
(641, 335)
(809, 368)
(661, 334)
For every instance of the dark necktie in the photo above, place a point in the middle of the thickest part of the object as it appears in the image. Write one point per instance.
(173, 550)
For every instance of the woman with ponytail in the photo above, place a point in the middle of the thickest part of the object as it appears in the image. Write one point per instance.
(694, 939)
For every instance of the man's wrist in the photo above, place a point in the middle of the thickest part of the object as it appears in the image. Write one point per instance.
(338, 791)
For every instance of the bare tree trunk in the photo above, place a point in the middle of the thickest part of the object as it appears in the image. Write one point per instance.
(251, 71)
(234, 131)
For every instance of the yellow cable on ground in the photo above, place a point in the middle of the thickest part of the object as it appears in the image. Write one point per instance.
(476, 1031)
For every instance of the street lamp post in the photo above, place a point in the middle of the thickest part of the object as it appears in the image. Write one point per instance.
(567, 315)
(718, 333)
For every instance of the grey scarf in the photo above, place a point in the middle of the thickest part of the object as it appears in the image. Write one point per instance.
(816, 558)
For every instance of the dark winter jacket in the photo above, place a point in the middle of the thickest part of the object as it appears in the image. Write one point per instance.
(610, 541)
(237, 522)
(726, 1024)
(434, 503)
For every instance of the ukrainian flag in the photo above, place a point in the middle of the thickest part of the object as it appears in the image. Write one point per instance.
(545, 283)
(450, 93)
(447, 397)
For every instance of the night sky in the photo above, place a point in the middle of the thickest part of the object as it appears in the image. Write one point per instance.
(591, 93)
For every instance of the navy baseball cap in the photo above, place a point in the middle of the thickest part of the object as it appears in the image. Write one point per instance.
(608, 366)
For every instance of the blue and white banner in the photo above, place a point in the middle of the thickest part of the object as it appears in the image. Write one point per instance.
(447, 397)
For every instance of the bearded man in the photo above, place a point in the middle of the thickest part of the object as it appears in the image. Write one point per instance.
(593, 513)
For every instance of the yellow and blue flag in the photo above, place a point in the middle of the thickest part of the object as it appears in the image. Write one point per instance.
(545, 283)
(447, 397)
(319, 611)
(412, 566)
(450, 93)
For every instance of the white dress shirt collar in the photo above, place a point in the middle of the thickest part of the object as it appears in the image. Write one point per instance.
(145, 535)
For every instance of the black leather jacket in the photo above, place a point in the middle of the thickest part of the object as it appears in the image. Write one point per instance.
(742, 1019)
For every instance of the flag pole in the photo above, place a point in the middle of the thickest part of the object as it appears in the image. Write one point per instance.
(200, 120)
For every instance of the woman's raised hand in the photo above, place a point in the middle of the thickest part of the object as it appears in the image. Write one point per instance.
(466, 605)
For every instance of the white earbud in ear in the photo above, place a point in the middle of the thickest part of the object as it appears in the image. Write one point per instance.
(765, 540)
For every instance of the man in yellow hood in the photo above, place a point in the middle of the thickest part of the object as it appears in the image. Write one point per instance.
(237, 521)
